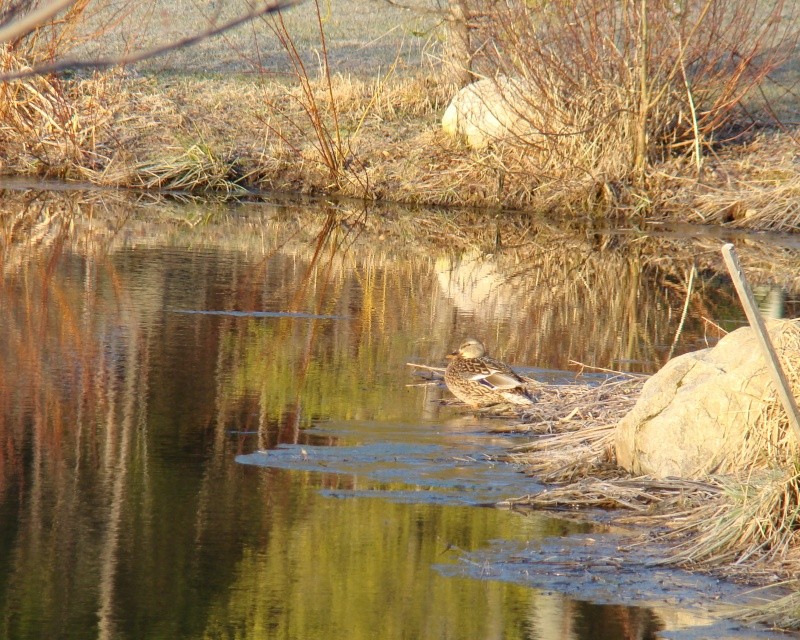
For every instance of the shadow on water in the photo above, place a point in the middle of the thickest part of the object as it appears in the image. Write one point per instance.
(147, 346)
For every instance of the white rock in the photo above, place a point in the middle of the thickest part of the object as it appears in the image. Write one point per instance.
(698, 414)
(489, 110)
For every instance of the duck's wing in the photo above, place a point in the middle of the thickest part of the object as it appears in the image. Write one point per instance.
(503, 380)
(495, 374)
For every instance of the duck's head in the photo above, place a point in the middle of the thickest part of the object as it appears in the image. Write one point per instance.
(469, 349)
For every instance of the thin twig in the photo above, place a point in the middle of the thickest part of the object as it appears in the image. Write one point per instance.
(115, 61)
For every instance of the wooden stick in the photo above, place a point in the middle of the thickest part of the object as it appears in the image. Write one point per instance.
(757, 323)
(425, 367)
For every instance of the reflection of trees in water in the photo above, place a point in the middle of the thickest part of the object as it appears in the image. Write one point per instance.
(559, 617)
(109, 398)
(73, 393)
(106, 480)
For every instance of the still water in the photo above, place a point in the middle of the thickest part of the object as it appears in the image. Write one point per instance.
(208, 428)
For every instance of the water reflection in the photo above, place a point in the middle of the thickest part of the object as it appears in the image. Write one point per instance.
(124, 515)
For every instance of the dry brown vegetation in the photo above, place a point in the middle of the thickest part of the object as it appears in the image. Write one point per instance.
(379, 138)
(744, 526)
(227, 134)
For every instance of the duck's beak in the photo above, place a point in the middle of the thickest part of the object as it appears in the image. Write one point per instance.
(450, 356)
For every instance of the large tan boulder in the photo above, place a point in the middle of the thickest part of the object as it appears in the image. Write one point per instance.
(710, 411)
(491, 109)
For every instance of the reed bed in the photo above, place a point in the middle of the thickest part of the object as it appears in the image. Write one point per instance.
(235, 134)
(744, 526)
(647, 127)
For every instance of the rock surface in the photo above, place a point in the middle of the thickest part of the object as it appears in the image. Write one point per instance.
(705, 412)
(488, 110)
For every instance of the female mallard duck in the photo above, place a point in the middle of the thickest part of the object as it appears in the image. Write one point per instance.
(478, 380)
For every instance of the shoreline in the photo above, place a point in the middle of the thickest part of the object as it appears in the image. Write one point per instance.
(371, 140)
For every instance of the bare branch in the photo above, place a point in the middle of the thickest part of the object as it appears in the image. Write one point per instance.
(114, 61)
(25, 25)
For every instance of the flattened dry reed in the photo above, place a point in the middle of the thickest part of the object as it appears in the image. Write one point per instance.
(198, 168)
(575, 426)
(745, 526)
(640, 495)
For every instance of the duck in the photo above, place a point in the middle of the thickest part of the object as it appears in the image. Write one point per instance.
(480, 381)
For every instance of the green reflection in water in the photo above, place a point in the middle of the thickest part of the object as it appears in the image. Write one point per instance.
(123, 512)
(363, 569)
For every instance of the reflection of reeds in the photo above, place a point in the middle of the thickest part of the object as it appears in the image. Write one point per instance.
(77, 390)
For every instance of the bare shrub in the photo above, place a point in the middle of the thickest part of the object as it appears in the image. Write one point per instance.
(611, 86)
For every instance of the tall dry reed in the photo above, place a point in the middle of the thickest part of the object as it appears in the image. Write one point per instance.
(609, 88)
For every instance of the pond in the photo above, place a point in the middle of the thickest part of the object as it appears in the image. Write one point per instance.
(209, 429)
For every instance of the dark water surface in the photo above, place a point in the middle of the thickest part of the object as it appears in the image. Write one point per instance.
(207, 428)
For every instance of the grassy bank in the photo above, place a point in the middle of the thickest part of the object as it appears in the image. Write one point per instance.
(666, 137)
(233, 134)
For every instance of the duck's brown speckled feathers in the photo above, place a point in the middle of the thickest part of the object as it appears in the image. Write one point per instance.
(479, 381)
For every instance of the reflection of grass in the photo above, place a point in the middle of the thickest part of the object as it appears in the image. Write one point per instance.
(345, 553)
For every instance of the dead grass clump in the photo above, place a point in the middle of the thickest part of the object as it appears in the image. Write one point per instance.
(750, 528)
(382, 97)
(54, 127)
(575, 427)
(630, 84)
(770, 440)
(768, 203)
(198, 168)
(783, 612)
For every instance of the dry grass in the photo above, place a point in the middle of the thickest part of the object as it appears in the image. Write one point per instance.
(197, 169)
(234, 133)
(755, 185)
(745, 526)
(54, 127)
(607, 99)
(574, 425)
(748, 529)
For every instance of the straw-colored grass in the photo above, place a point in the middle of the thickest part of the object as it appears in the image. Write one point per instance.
(54, 127)
(223, 134)
(749, 528)
(753, 185)
(574, 427)
(745, 525)
(198, 168)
